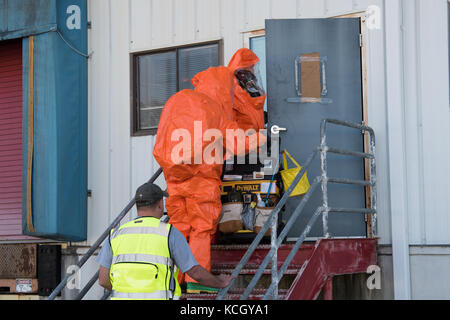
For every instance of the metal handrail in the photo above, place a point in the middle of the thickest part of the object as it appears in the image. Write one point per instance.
(324, 210)
(94, 247)
(372, 165)
(279, 241)
(294, 250)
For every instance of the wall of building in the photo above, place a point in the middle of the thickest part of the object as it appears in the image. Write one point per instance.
(426, 121)
(408, 99)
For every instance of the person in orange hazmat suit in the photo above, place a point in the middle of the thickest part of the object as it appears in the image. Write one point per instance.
(194, 203)
(249, 97)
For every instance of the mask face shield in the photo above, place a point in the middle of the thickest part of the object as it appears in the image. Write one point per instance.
(251, 81)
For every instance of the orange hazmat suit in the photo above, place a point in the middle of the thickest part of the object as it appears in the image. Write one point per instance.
(194, 204)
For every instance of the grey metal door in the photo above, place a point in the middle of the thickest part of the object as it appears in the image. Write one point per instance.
(337, 42)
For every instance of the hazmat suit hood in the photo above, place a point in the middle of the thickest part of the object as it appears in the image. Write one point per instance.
(248, 111)
(243, 58)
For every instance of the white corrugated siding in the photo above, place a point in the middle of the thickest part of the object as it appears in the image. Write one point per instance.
(118, 163)
(426, 121)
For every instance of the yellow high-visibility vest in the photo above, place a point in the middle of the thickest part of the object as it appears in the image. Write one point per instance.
(142, 267)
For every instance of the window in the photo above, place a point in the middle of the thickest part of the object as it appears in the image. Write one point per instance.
(256, 41)
(157, 75)
(258, 46)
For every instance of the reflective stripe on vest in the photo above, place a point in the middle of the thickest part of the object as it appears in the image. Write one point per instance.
(139, 295)
(161, 230)
(141, 257)
(141, 266)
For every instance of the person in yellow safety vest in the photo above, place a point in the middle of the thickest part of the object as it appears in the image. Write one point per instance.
(141, 258)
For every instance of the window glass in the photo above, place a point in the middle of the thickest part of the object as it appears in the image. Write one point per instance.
(157, 83)
(258, 46)
(191, 60)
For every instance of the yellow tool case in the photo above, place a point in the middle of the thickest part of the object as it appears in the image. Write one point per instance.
(250, 186)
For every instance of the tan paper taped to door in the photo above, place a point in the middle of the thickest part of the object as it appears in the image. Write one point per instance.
(310, 75)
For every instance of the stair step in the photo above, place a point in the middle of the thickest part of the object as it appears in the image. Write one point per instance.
(220, 265)
(233, 294)
(228, 256)
(290, 270)
(286, 246)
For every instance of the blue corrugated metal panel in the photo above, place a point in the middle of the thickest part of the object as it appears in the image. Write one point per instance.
(59, 175)
(21, 18)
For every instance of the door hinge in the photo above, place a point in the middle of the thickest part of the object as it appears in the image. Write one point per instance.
(360, 40)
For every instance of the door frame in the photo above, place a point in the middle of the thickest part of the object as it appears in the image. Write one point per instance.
(246, 36)
(365, 102)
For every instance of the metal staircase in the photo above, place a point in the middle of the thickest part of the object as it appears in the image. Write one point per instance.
(299, 270)
(225, 258)
(311, 270)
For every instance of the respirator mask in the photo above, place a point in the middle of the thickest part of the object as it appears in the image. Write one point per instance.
(249, 79)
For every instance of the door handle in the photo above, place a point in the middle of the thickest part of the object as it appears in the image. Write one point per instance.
(276, 129)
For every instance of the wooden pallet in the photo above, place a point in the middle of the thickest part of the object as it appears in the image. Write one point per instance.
(18, 286)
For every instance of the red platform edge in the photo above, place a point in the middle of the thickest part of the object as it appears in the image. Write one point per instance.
(332, 257)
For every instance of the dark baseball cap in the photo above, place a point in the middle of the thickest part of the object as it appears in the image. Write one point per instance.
(149, 193)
